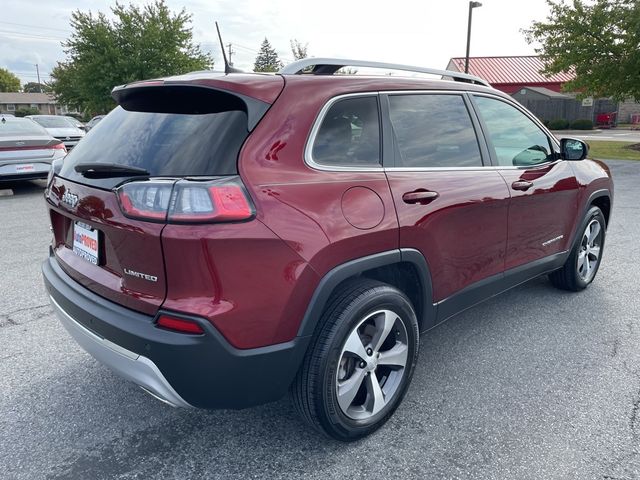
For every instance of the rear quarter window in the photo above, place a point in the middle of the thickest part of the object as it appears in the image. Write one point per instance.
(349, 135)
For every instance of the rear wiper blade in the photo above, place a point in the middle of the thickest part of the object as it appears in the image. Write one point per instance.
(106, 170)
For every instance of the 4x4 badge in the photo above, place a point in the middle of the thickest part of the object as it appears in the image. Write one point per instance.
(70, 199)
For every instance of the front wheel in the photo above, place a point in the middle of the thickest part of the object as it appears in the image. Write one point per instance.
(584, 260)
(361, 362)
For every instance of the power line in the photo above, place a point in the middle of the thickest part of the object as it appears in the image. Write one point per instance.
(40, 27)
(31, 35)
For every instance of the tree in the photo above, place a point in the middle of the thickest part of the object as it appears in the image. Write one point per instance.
(139, 43)
(8, 81)
(267, 59)
(298, 50)
(35, 87)
(598, 40)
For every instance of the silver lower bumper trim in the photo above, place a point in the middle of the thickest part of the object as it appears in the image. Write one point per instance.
(125, 363)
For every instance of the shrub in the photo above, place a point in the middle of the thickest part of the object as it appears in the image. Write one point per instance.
(558, 124)
(582, 124)
(24, 111)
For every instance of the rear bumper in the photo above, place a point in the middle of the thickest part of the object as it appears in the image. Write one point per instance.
(127, 364)
(203, 371)
(24, 170)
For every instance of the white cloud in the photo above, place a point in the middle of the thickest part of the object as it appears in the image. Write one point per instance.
(425, 32)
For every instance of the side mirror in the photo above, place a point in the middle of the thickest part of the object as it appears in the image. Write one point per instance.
(573, 149)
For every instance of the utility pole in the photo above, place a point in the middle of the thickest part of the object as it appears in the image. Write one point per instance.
(39, 84)
(231, 52)
(472, 5)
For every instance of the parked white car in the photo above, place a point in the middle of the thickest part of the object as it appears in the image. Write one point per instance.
(26, 149)
(61, 128)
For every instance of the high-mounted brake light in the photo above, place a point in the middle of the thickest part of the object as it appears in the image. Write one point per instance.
(186, 201)
(179, 325)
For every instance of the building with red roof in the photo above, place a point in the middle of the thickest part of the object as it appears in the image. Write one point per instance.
(521, 77)
(510, 74)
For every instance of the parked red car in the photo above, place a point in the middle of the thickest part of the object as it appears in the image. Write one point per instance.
(223, 239)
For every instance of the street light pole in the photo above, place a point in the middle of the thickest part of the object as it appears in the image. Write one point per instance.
(472, 5)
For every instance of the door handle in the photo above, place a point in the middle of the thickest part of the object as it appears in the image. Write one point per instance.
(420, 196)
(521, 185)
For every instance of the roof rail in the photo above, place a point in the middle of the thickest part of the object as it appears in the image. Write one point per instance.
(329, 66)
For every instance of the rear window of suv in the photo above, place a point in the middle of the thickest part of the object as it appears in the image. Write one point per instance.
(164, 144)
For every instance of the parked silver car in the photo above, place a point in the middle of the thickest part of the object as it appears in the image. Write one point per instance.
(60, 128)
(26, 149)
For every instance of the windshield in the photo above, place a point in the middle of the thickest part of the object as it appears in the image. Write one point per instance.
(73, 121)
(53, 122)
(164, 144)
(20, 126)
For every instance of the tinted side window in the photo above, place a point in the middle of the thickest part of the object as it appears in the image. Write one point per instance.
(433, 131)
(516, 139)
(349, 134)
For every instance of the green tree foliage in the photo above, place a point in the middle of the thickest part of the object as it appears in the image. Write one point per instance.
(142, 42)
(267, 59)
(598, 40)
(24, 111)
(298, 50)
(8, 81)
(35, 87)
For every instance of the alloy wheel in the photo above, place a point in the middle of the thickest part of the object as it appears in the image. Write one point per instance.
(590, 249)
(372, 364)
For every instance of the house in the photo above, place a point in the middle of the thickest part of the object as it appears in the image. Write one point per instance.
(45, 103)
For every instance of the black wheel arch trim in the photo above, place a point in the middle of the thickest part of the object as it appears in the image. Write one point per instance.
(354, 267)
(602, 192)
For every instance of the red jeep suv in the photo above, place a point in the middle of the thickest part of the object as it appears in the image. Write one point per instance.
(223, 239)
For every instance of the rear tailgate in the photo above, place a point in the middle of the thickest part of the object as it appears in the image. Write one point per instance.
(175, 133)
(123, 245)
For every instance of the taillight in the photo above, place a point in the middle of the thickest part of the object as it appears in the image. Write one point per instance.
(146, 200)
(54, 146)
(179, 325)
(222, 200)
(186, 201)
(58, 146)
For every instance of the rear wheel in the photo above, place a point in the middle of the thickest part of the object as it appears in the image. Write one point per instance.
(358, 369)
(584, 260)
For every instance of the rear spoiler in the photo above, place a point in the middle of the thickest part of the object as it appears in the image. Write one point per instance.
(168, 97)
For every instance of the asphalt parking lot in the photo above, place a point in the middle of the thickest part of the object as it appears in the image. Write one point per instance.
(534, 384)
(619, 135)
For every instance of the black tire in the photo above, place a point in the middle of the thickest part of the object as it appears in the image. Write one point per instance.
(569, 276)
(314, 391)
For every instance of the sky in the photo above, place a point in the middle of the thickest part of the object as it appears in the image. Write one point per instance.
(424, 33)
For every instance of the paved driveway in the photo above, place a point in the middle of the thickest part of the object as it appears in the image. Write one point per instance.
(534, 384)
